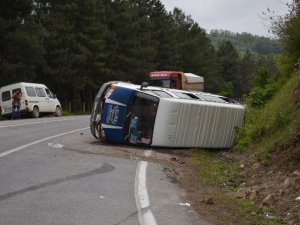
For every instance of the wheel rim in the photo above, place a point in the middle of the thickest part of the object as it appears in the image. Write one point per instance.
(35, 112)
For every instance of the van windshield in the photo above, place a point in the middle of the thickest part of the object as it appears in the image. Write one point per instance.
(49, 93)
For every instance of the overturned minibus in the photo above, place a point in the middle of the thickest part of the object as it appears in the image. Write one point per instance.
(125, 113)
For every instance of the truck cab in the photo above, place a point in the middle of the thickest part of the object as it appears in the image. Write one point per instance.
(166, 79)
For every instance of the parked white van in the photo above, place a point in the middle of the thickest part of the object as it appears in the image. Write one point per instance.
(36, 99)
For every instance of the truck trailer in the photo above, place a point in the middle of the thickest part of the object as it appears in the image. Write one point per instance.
(176, 80)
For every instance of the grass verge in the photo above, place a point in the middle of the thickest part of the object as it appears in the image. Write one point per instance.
(268, 127)
(217, 175)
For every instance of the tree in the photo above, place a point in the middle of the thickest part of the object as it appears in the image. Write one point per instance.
(20, 48)
(75, 48)
(163, 37)
(131, 48)
(264, 87)
(194, 52)
(227, 90)
(257, 45)
(287, 28)
(229, 60)
(246, 69)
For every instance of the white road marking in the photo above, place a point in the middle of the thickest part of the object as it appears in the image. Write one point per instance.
(55, 145)
(44, 121)
(38, 141)
(141, 194)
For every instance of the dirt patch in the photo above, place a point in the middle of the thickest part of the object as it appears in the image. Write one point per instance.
(260, 194)
(207, 200)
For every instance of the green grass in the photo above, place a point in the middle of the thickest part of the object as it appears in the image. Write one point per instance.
(268, 127)
(211, 170)
(250, 207)
(265, 130)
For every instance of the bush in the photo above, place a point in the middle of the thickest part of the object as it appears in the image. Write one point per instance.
(260, 96)
(264, 89)
(273, 122)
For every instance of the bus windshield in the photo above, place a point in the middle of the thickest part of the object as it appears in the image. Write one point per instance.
(124, 115)
(141, 121)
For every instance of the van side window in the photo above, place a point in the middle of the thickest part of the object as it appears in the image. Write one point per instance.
(40, 92)
(49, 93)
(6, 96)
(30, 91)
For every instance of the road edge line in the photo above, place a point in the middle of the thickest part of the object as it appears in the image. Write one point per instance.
(141, 195)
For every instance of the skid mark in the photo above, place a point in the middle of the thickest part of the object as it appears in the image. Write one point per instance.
(104, 169)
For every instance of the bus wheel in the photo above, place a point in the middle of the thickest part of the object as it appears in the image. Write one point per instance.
(101, 133)
(35, 112)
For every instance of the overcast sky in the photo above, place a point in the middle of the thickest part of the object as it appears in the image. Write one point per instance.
(234, 15)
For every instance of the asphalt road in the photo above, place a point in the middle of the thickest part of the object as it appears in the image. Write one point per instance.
(52, 171)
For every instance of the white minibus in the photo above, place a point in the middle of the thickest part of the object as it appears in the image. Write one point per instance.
(36, 99)
(151, 116)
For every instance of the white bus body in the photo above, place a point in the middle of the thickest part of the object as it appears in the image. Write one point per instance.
(193, 123)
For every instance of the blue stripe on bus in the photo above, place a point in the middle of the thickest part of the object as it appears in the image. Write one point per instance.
(115, 114)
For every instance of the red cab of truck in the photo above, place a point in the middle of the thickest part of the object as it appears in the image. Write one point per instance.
(176, 80)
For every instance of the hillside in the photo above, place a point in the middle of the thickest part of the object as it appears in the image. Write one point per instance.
(244, 41)
(259, 180)
(272, 166)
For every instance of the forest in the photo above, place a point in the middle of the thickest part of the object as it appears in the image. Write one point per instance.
(75, 46)
(257, 45)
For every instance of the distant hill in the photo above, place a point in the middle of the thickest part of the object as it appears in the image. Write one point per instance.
(243, 41)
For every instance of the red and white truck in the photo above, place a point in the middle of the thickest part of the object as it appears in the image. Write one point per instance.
(176, 80)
